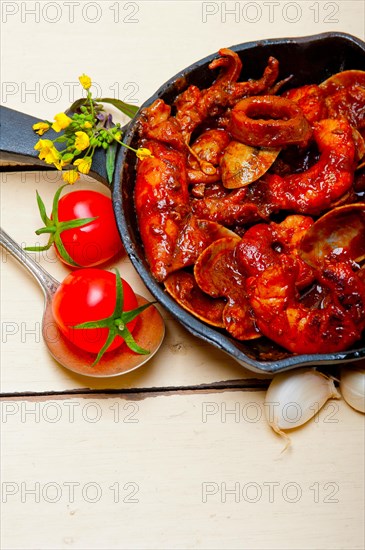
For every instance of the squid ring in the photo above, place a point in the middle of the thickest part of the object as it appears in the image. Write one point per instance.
(269, 121)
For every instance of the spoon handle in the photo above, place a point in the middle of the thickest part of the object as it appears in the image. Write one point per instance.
(46, 281)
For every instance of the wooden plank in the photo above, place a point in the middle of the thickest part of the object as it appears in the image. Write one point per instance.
(178, 471)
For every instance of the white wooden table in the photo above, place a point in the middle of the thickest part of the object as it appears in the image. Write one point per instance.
(178, 453)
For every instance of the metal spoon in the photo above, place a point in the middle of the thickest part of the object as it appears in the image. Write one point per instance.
(149, 331)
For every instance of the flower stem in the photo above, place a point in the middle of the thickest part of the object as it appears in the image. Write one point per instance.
(125, 145)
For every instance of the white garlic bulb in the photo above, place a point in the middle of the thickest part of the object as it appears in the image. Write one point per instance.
(352, 386)
(294, 397)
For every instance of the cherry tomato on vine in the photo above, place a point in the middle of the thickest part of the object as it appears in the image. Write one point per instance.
(82, 228)
(96, 310)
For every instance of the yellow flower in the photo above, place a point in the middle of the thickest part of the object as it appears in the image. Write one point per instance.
(62, 121)
(47, 151)
(83, 165)
(143, 153)
(41, 128)
(88, 124)
(85, 81)
(118, 136)
(70, 176)
(42, 145)
(82, 141)
(59, 164)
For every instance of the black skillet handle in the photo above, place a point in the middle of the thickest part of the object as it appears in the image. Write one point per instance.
(17, 140)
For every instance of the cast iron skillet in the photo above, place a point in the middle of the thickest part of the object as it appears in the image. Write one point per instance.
(310, 59)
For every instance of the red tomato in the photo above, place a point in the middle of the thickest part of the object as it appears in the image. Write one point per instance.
(90, 295)
(98, 241)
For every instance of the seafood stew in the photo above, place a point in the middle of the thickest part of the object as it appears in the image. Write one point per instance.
(213, 239)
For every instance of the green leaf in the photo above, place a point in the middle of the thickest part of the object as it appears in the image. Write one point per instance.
(56, 198)
(71, 224)
(67, 157)
(42, 230)
(131, 343)
(102, 323)
(61, 139)
(128, 316)
(37, 248)
(110, 161)
(76, 106)
(63, 252)
(112, 334)
(119, 302)
(42, 210)
(126, 108)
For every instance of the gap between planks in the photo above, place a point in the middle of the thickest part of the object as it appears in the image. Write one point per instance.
(139, 393)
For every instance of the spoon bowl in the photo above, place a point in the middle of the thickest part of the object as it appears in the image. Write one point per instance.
(149, 331)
